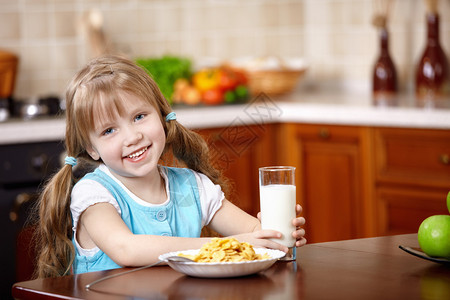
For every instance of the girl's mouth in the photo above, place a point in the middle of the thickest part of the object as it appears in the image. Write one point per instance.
(137, 153)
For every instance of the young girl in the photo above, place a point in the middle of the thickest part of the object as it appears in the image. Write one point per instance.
(130, 209)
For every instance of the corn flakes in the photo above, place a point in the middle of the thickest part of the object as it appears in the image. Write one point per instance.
(226, 250)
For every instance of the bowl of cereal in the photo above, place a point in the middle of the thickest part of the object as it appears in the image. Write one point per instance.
(222, 258)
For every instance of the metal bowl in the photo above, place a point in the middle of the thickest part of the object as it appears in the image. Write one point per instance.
(32, 110)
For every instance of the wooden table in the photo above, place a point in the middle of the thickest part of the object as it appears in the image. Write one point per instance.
(372, 268)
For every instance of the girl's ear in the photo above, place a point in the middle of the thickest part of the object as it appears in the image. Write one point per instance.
(92, 153)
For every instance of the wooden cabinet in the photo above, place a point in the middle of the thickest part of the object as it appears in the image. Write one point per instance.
(333, 178)
(352, 181)
(412, 176)
(239, 151)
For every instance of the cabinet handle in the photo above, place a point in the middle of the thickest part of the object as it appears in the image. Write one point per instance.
(324, 133)
(445, 159)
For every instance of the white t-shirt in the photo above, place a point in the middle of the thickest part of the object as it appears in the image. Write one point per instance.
(88, 192)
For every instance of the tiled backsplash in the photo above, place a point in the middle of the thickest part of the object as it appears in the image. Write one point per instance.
(336, 37)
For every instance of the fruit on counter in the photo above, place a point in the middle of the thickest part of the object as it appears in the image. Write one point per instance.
(229, 97)
(434, 236)
(214, 86)
(191, 96)
(184, 92)
(448, 201)
(241, 92)
(166, 70)
(212, 97)
(206, 79)
(181, 84)
(228, 79)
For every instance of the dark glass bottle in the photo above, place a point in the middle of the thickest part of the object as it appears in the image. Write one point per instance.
(432, 74)
(384, 75)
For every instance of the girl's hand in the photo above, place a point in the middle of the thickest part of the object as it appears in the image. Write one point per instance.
(261, 239)
(299, 233)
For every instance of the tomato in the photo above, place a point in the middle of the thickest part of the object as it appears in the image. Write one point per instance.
(241, 76)
(212, 97)
(227, 80)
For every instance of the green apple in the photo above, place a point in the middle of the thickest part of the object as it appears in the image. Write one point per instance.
(448, 201)
(434, 236)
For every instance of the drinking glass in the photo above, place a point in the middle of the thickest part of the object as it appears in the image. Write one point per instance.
(277, 201)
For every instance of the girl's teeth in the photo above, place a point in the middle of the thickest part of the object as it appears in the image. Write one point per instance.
(136, 154)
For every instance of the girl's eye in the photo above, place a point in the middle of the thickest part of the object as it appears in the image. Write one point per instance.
(108, 131)
(139, 117)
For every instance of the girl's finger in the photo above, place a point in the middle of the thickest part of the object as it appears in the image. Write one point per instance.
(274, 245)
(300, 242)
(300, 221)
(267, 233)
(299, 233)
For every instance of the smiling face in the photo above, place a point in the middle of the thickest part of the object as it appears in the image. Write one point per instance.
(129, 142)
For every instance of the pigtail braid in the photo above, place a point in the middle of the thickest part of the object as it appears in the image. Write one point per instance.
(55, 251)
(190, 148)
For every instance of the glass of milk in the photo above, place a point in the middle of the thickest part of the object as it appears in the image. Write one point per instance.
(277, 201)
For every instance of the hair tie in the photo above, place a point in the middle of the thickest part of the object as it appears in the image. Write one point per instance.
(171, 116)
(69, 160)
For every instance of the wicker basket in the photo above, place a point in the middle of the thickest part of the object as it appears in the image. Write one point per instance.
(274, 82)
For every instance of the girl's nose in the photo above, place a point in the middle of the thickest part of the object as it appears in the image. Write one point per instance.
(132, 137)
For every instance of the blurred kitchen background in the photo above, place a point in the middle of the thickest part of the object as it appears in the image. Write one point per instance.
(335, 37)
(388, 181)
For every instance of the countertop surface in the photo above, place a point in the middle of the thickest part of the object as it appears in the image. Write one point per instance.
(311, 108)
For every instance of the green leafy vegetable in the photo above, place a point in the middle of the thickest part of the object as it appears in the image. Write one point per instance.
(166, 70)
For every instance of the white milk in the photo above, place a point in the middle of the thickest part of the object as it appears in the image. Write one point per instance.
(278, 210)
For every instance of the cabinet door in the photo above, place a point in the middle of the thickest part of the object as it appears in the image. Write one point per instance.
(402, 209)
(413, 156)
(412, 168)
(331, 179)
(239, 151)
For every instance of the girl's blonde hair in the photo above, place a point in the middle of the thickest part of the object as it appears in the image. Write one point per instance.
(96, 90)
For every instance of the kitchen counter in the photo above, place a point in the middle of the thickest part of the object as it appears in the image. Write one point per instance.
(324, 108)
